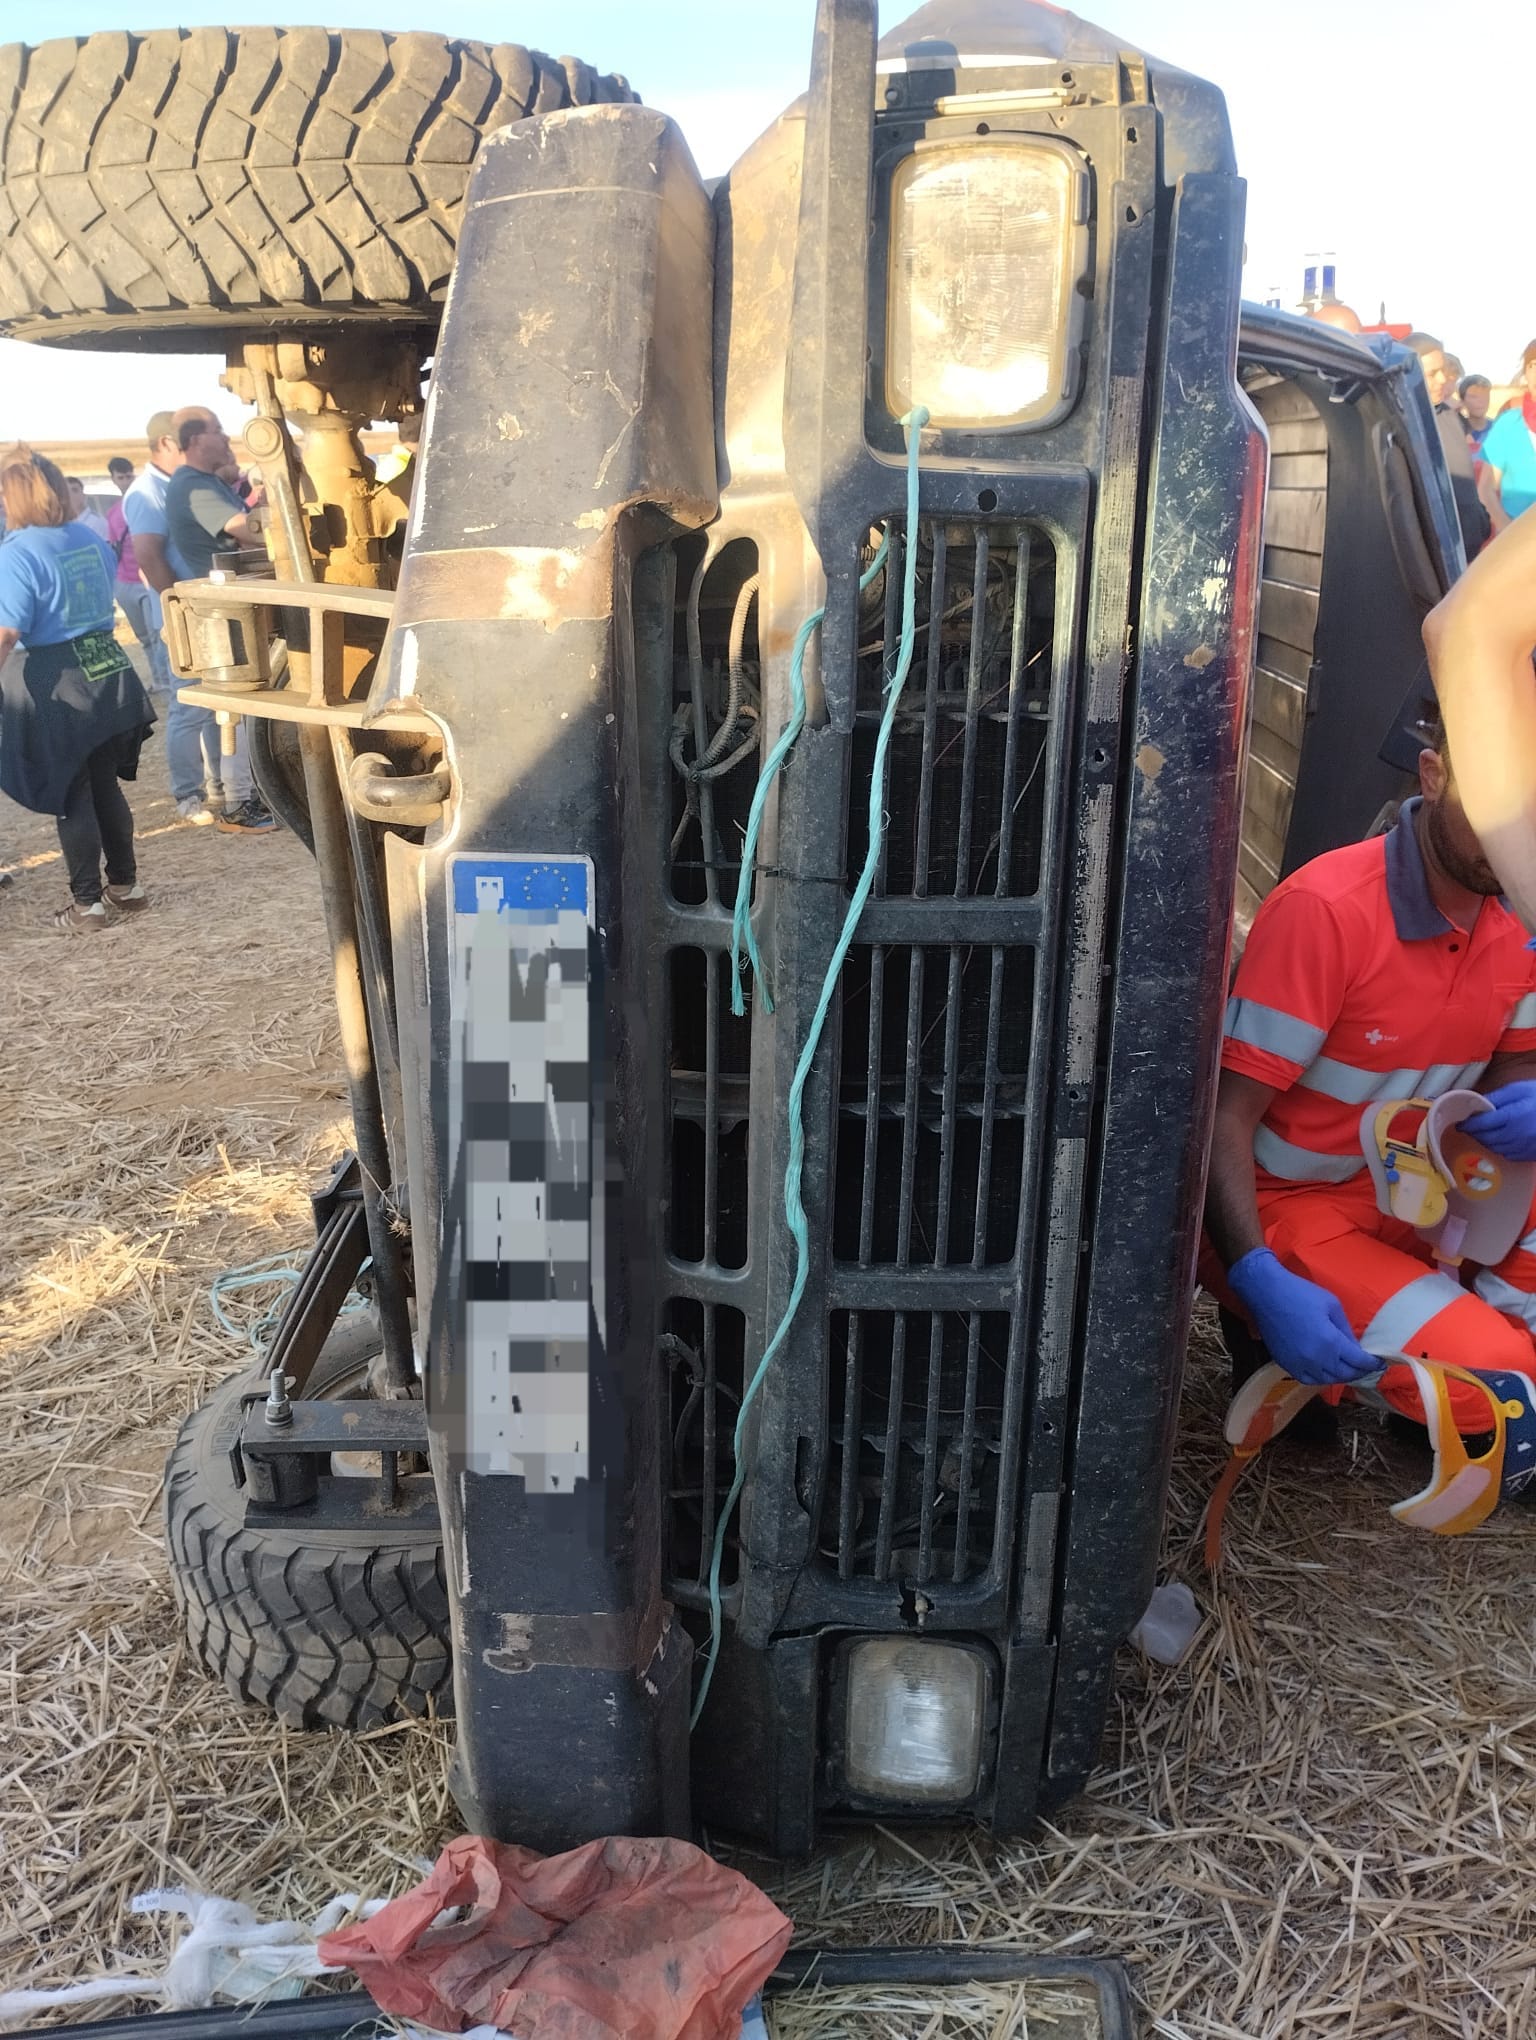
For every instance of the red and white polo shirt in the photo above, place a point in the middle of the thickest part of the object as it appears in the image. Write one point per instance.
(1355, 989)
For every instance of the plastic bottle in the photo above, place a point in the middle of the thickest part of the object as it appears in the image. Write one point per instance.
(1170, 1625)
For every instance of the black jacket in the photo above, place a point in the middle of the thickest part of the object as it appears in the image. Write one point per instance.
(52, 717)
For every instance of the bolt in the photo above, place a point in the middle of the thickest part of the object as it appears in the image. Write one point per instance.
(277, 1409)
(263, 438)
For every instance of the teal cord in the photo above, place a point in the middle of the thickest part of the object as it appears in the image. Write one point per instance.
(794, 1206)
(284, 1270)
(743, 934)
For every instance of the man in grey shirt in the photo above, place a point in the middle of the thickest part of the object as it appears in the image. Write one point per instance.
(203, 515)
(202, 519)
(1440, 381)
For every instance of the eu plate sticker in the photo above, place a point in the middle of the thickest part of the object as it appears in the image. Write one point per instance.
(520, 1127)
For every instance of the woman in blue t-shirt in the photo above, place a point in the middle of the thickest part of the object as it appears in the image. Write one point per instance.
(73, 715)
(1509, 452)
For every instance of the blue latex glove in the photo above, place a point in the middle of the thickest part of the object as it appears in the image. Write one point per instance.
(1510, 1128)
(1303, 1326)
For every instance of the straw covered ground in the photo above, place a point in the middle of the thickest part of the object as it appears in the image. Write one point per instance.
(1323, 1824)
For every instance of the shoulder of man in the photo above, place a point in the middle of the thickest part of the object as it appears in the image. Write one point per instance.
(204, 484)
(143, 508)
(1338, 878)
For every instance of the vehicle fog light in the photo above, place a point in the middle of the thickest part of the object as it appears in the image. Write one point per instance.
(988, 241)
(916, 1719)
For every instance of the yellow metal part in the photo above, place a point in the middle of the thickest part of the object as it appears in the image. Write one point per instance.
(351, 515)
(326, 393)
(1415, 1185)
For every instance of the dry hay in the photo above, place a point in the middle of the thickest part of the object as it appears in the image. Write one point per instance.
(173, 1090)
(1324, 1824)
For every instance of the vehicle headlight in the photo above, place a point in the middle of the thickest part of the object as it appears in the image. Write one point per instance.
(988, 243)
(916, 1719)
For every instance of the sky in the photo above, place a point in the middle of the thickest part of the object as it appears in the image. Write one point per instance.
(1394, 138)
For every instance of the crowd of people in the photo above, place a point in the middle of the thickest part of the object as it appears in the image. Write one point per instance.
(65, 568)
(75, 713)
(173, 519)
(1491, 459)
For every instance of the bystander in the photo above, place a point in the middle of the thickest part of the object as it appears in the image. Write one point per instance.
(1439, 380)
(208, 785)
(80, 511)
(1480, 642)
(206, 522)
(74, 714)
(1509, 452)
(1475, 391)
(135, 598)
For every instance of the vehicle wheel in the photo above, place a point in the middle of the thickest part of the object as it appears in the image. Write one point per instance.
(329, 1627)
(277, 767)
(188, 180)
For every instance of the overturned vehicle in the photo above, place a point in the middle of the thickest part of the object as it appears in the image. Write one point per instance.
(777, 802)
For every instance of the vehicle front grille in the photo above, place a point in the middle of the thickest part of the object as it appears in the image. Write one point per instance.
(935, 1065)
(969, 738)
(935, 1092)
(936, 1103)
(916, 1407)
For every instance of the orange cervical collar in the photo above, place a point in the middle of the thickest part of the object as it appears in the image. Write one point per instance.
(1461, 1492)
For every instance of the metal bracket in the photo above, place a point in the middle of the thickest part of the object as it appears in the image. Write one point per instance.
(281, 1465)
(218, 633)
(321, 1428)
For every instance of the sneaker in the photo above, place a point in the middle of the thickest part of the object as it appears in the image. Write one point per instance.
(78, 920)
(249, 819)
(127, 899)
(195, 809)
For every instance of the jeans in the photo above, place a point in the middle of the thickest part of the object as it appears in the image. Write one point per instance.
(96, 819)
(141, 606)
(198, 771)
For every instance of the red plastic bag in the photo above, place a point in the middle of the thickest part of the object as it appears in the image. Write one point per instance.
(619, 1940)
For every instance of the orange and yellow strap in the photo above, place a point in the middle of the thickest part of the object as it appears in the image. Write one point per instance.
(1461, 1492)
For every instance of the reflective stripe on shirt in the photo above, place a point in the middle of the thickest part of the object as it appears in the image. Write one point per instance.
(1524, 1014)
(1299, 1164)
(1515, 1303)
(1442, 1077)
(1277, 1033)
(1351, 1085)
(1404, 1315)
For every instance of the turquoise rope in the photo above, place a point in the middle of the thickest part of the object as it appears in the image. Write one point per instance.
(794, 1206)
(743, 935)
(276, 1268)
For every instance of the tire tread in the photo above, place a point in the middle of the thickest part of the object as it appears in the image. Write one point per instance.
(291, 173)
(324, 1635)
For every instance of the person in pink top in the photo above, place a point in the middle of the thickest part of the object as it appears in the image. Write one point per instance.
(135, 598)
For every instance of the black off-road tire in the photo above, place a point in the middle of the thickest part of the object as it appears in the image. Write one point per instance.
(158, 186)
(328, 1628)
